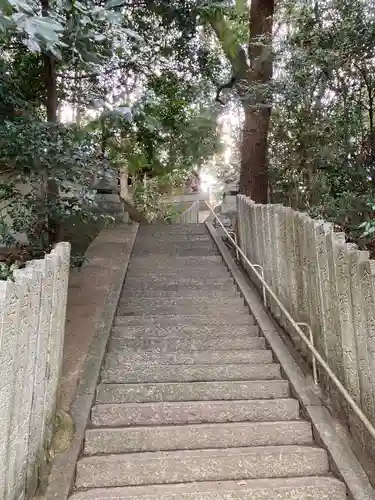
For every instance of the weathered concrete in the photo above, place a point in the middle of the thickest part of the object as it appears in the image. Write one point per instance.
(188, 302)
(177, 330)
(32, 321)
(114, 246)
(88, 290)
(201, 465)
(198, 397)
(195, 391)
(185, 321)
(125, 359)
(191, 309)
(186, 342)
(193, 412)
(191, 437)
(326, 430)
(311, 488)
(183, 292)
(197, 373)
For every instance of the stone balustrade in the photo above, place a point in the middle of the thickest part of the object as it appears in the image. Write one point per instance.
(325, 282)
(32, 310)
(189, 216)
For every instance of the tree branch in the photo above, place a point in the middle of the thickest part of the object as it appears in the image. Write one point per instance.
(227, 85)
(235, 53)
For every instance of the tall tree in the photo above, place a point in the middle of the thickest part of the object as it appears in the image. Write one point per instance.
(254, 166)
(251, 78)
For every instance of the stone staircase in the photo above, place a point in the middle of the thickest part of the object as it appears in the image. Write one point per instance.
(191, 404)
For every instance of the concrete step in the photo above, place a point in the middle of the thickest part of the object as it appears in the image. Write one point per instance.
(153, 229)
(200, 465)
(159, 283)
(161, 243)
(180, 252)
(184, 261)
(128, 359)
(178, 237)
(227, 311)
(229, 292)
(168, 241)
(151, 274)
(194, 391)
(178, 271)
(184, 342)
(187, 322)
(197, 373)
(174, 230)
(195, 332)
(294, 488)
(210, 302)
(194, 412)
(196, 437)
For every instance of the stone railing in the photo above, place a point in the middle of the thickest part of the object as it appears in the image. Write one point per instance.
(188, 216)
(32, 309)
(324, 282)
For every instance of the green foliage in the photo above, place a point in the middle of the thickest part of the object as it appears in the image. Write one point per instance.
(322, 149)
(138, 77)
(148, 200)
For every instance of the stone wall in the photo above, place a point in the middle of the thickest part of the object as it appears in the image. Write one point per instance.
(32, 310)
(326, 283)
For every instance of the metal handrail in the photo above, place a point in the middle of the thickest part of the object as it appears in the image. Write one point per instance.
(297, 327)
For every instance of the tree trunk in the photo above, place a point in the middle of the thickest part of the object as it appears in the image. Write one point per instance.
(51, 188)
(254, 167)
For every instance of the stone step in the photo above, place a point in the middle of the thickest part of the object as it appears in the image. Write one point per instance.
(197, 373)
(184, 292)
(187, 321)
(195, 332)
(159, 283)
(124, 360)
(184, 342)
(153, 229)
(166, 241)
(293, 488)
(225, 299)
(194, 391)
(200, 465)
(177, 270)
(151, 274)
(175, 230)
(160, 259)
(194, 412)
(196, 437)
(210, 303)
(180, 251)
(161, 238)
(227, 311)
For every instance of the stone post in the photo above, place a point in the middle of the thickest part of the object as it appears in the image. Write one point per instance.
(361, 298)
(347, 332)
(334, 346)
(291, 262)
(37, 424)
(250, 228)
(267, 262)
(258, 234)
(282, 260)
(278, 265)
(10, 293)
